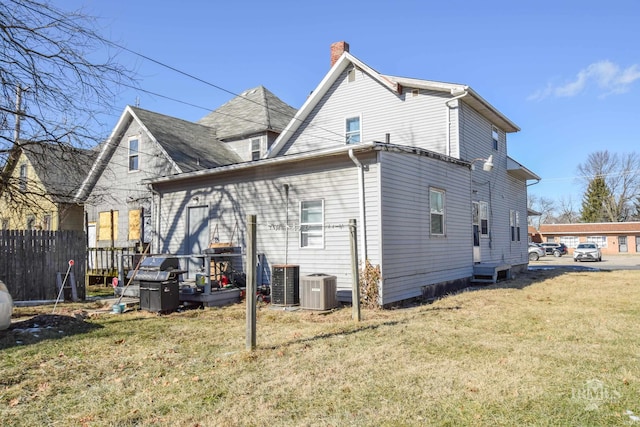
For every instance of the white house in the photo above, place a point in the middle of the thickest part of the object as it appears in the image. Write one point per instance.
(421, 165)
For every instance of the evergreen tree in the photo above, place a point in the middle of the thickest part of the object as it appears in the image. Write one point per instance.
(595, 199)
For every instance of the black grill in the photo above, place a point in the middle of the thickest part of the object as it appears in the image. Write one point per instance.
(157, 278)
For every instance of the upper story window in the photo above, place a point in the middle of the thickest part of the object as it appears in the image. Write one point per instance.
(23, 177)
(312, 224)
(495, 137)
(436, 207)
(353, 130)
(134, 155)
(255, 149)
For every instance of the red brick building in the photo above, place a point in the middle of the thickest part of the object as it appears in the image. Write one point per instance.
(611, 237)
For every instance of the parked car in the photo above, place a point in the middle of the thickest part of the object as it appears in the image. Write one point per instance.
(557, 249)
(587, 251)
(535, 252)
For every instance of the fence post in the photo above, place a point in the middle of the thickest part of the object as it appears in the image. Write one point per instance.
(251, 283)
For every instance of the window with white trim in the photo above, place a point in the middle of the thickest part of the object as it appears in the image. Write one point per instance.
(483, 213)
(352, 130)
(570, 241)
(436, 209)
(134, 159)
(312, 224)
(514, 223)
(495, 137)
(255, 149)
(601, 241)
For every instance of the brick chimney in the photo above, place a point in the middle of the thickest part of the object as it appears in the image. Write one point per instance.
(337, 49)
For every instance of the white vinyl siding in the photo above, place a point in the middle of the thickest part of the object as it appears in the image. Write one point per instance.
(419, 122)
(232, 196)
(411, 257)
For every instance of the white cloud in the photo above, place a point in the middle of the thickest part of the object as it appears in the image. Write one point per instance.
(605, 75)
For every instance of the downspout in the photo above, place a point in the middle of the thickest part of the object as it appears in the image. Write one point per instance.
(363, 227)
(449, 107)
(155, 210)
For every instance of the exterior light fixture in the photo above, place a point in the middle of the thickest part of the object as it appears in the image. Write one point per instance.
(487, 166)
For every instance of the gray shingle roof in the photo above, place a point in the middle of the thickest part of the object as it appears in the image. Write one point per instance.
(61, 168)
(253, 111)
(191, 146)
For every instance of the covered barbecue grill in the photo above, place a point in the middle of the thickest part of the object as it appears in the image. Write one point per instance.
(157, 278)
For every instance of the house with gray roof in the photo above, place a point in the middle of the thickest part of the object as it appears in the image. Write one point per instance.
(250, 122)
(145, 145)
(42, 180)
(422, 166)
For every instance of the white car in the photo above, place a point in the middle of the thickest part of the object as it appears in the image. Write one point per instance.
(587, 251)
(535, 252)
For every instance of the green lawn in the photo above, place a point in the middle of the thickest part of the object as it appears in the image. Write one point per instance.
(548, 348)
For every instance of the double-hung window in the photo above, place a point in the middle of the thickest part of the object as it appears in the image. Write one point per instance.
(134, 156)
(352, 130)
(255, 149)
(483, 213)
(312, 224)
(436, 207)
(495, 136)
(514, 219)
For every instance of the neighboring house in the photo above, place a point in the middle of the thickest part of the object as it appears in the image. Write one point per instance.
(404, 157)
(146, 145)
(611, 237)
(46, 177)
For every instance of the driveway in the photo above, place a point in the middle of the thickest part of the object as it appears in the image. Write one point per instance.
(609, 262)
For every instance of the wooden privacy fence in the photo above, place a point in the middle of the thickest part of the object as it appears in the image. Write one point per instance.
(31, 259)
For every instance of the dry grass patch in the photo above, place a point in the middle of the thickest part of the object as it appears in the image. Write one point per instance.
(537, 350)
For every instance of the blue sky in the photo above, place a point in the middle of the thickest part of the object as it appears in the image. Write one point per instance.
(566, 72)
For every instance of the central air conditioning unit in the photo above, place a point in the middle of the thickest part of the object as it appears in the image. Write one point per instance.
(285, 285)
(318, 292)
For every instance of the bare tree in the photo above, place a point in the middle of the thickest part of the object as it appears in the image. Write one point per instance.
(622, 177)
(57, 77)
(542, 205)
(567, 213)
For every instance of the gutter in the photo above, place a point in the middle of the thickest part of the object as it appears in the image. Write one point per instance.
(363, 228)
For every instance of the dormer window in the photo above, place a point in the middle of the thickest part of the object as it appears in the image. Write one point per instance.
(133, 155)
(352, 134)
(256, 153)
